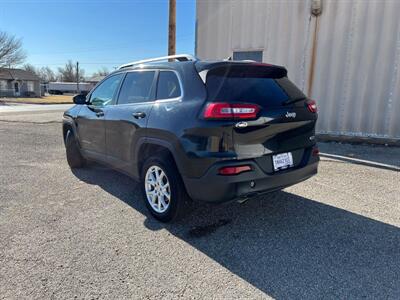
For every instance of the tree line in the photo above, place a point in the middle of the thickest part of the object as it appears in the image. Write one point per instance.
(12, 54)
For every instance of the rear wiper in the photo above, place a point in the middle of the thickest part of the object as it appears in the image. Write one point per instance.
(287, 102)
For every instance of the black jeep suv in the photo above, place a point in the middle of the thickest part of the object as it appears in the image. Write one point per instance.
(188, 129)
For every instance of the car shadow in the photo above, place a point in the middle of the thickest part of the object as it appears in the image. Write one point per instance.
(283, 244)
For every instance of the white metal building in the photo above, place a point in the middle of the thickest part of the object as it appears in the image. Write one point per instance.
(343, 54)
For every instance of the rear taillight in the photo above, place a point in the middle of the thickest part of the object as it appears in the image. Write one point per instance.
(315, 151)
(222, 110)
(312, 106)
(235, 170)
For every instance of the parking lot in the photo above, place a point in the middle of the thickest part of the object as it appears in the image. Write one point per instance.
(86, 233)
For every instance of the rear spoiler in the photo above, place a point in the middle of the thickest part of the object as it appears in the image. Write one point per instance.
(232, 68)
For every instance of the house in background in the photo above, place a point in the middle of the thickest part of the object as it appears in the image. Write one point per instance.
(18, 83)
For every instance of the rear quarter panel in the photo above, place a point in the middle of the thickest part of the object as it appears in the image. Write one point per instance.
(196, 143)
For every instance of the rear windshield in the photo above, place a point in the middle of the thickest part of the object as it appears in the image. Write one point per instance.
(250, 87)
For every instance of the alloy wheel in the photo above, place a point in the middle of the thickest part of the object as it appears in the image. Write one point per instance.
(157, 189)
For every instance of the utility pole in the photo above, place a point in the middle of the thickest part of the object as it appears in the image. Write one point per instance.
(77, 77)
(172, 27)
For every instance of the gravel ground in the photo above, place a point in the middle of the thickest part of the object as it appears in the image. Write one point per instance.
(87, 234)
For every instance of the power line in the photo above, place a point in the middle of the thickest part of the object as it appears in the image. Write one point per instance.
(102, 48)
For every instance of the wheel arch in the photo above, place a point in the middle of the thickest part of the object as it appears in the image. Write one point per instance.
(69, 125)
(147, 147)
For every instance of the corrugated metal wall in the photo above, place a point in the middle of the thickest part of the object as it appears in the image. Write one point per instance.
(347, 58)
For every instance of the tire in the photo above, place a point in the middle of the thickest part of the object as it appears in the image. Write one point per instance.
(74, 156)
(177, 203)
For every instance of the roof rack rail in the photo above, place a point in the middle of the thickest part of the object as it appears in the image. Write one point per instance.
(178, 57)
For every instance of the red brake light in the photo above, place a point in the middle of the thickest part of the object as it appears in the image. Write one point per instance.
(315, 151)
(234, 170)
(312, 106)
(219, 110)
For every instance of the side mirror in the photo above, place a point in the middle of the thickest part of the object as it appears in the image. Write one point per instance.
(79, 99)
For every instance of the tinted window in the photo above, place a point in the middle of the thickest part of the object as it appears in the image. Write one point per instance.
(262, 91)
(104, 93)
(248, 55)
(290, 88)
(136, 87)
(168, 85)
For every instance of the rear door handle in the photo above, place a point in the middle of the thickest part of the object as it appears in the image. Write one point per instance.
(139, 115)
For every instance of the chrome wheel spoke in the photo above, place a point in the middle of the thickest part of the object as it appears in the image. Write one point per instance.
(166, 194)
(151, 182)
(163, 203)
(153, 198)
(157, 175)
(153, 177)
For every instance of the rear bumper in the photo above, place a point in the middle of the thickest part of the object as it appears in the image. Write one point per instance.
(216, 188)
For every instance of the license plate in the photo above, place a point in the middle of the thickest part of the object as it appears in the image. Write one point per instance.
(282, 161)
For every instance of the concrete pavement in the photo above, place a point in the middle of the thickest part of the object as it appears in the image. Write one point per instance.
(35, 113)
(86, 233)
(33, 107)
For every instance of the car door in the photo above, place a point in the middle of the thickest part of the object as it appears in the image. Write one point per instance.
(90, 120)
(127, 120)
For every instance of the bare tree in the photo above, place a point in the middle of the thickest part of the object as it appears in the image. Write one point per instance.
(101, 72)
(68, 72)
(44, 73)
(47, 75)
(30, 68)
(11, 52)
